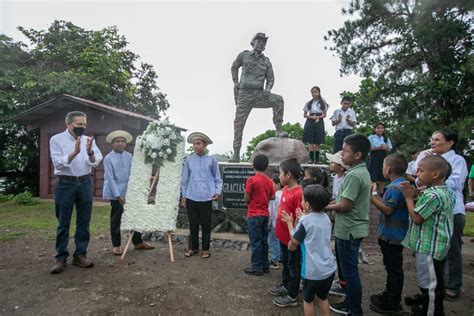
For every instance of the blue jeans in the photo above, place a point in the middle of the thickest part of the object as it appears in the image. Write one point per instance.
(258, 235)
(274, 245)
(68, 193)
(348, 251)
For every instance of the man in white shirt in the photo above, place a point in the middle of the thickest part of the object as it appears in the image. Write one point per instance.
(73, 156)
(344, 120)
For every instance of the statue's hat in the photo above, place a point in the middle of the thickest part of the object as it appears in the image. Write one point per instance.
(259, 35)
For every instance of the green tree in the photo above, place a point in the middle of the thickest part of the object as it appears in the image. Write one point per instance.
(66, 58)
(419, 57)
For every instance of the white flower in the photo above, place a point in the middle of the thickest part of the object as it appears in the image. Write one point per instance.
(169, 151)
(160, 154)
(165, 157)
(173, 136)
(166, 142)
(152, 141)
(153, 155)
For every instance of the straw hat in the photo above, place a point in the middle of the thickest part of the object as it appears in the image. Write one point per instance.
(119, 133)
(337, 158)
(199, 135)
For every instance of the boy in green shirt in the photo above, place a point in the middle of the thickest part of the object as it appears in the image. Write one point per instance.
(429, 233)
(352, 219)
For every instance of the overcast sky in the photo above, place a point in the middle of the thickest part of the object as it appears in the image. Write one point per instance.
(192, 45)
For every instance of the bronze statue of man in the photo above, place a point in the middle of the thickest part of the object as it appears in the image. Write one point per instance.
(253, 89)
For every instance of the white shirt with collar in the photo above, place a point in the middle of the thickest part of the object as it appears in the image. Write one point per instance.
(61, 145)
(455, 181)
(343, 124)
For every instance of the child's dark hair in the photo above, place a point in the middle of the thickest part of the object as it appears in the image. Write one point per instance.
(346, 98)
(383, 134)
(305, 182)
(450, 135)
(440, 164)
(414, 152)
(260, 162)
(398, 164)
(291, 166)
(319, 176)
(276, 179)
(317, 197)
(358, 143)
(322, 102)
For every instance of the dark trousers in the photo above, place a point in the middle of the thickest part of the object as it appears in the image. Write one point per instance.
(199, 213)
(339, 138)
(393, 262)
(258, 236)
(349, 256)
(291, 272)
(115, 222)
(67, 194)
(453, 272)
(342, 281)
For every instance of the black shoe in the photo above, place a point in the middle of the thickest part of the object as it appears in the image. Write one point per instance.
(251, 271)
(391, 309)
(82, 261)
(59, 267)
(266, 270)
(378, 299)
(415, 300)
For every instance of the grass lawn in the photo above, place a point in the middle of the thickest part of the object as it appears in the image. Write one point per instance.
(40, 221)
(469, 228)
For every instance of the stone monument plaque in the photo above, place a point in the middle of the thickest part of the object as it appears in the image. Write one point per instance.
(233, 186)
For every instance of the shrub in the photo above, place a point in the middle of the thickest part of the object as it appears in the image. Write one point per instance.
(6, 197)
(25, 198)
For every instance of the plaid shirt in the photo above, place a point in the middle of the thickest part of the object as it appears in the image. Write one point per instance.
(432, 237)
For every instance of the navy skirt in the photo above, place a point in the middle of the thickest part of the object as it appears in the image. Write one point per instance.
(313, 133)
(376, 165)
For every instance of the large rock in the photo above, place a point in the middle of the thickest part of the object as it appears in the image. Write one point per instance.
(281, 148)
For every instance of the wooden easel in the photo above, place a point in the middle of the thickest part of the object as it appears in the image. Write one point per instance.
(168, 234)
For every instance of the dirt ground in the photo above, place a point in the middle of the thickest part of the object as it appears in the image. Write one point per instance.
(148, 283)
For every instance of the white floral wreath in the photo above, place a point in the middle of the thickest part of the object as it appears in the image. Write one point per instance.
(138, 214)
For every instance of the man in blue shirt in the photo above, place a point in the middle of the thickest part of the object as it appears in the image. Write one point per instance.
(117, 165)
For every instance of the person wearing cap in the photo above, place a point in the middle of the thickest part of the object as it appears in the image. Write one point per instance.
(117, 165)
(343, 120)
(73, 155)
(253, 90)
(338, 287)
(200, 185)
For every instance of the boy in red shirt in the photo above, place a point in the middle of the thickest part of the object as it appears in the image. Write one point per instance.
(258, 193)
(290, 201)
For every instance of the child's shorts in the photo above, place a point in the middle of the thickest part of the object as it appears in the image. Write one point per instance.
(320, 288)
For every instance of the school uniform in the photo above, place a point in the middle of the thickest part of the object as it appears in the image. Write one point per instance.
(343, 129)
(313, 132)
(376, 157)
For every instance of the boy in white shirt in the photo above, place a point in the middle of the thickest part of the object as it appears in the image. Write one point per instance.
(344, 120)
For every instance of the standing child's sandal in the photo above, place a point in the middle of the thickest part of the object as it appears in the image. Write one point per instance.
(205, 255)
(190, 253)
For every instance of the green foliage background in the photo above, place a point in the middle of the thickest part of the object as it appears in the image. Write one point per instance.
(65, 58)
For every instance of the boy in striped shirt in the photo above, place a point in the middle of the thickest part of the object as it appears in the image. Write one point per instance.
(429, 233)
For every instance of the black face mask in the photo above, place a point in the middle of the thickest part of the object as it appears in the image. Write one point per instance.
(79, 131)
